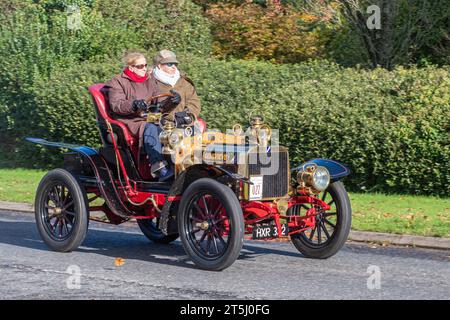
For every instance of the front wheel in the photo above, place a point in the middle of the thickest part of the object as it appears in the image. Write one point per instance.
(61, 211)
(332, 227)
(211, 224)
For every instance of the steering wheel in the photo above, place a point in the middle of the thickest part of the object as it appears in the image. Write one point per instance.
(153, 108)
(163, 107)
(150, 99)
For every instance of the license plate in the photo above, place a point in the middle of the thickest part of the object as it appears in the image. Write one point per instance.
(256, 189)
(269, 231)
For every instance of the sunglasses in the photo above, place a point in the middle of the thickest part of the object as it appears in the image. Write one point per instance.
(170, 64)
(140, 66)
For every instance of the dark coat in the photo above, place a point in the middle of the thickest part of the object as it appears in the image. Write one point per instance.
(186, 89)
(121, 92)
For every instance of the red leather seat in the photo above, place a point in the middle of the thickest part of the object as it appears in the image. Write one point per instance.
(102, 108)
(201, 124)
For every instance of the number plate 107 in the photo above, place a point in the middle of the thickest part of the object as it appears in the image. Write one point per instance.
(256, 189)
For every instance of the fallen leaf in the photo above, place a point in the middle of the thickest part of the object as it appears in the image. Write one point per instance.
(119, 262)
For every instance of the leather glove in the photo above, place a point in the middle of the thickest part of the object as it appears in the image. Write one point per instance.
(153, 108)
(139, 105)
(171, 103)
(176, 99)
(183, 117)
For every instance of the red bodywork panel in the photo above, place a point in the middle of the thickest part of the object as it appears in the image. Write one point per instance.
(256, 211)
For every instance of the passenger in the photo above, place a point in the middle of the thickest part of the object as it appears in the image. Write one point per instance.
(168, 76)
(126, 94)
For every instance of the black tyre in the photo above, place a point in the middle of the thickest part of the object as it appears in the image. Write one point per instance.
(211, 224)
(61, 211)
(332, 227)
(150, 229)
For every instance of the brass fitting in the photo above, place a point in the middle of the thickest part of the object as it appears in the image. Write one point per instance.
(164, 137)
(154, 117)
(261, 131)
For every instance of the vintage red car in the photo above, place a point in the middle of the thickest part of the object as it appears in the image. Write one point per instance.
(227, 187)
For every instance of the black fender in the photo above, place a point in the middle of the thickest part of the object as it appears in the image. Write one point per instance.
(103, 175)
(337, 170)
(167, 222)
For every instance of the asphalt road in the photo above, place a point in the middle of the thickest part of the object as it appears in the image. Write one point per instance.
(265, 270)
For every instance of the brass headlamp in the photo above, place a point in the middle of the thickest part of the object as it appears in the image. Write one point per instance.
(313, 178)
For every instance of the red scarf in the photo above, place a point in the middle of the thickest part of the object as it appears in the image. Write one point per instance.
(134, 77)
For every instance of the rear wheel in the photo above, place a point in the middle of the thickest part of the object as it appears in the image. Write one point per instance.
(211, 224)
(149, 228)
(61, 211)
(332, 227)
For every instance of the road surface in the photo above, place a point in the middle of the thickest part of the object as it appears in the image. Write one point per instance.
(265, 270)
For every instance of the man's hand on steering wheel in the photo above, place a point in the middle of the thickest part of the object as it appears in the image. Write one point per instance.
(166, 106)
(139, 105)
(171, 102)
(176, 98)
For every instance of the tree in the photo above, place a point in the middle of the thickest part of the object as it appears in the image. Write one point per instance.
(273, 32)
(407, 27)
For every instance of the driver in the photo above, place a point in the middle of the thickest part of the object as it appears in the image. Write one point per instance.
(126, 94)
(168, 76)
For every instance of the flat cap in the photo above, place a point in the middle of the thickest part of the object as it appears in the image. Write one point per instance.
(165, 56)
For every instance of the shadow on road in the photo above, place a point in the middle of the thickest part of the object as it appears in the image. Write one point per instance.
(127, 243)
(121, 243)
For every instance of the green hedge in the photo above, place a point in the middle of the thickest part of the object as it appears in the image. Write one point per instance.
(391, 128)
(160, 24)
(60, 110)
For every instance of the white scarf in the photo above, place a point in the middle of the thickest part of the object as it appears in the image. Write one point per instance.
(165, 77)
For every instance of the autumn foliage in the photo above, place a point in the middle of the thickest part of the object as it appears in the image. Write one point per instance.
(274, 32)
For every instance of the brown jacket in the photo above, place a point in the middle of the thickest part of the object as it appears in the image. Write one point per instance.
(121, 91)
(186, 89)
